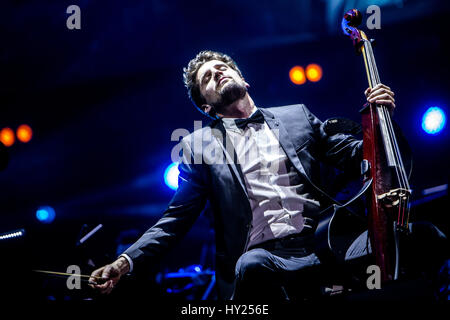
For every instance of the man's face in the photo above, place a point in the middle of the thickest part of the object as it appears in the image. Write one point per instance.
(220, 84)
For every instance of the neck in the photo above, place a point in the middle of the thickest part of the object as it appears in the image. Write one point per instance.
(241, 108)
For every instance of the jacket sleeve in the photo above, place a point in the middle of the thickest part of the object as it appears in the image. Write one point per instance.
(181, 213)
(342, 151)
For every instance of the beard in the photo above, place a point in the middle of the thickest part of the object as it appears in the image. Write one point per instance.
(229, 93)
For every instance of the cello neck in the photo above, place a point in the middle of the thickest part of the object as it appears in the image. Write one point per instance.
(393, 155)
(369, 61)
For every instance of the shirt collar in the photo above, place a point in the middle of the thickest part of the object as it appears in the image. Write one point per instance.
(229, 123)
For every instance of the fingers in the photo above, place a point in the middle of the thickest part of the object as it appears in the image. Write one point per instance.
(107, 287)
(381, 94)
(378, 88)
(377, 92)
(380, 85)
(106, 273)
(104, 288)
(94, 276)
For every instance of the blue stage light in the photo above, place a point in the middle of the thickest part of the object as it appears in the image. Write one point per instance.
(171, 176)
(45, 214)
(433, 120)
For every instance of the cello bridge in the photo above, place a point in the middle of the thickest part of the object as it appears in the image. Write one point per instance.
(395, 196)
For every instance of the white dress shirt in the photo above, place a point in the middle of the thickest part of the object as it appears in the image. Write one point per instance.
(275, 190)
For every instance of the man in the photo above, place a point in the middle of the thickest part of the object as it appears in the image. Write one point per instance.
(265, 199)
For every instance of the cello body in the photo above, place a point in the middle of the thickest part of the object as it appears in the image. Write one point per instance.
(381, 225)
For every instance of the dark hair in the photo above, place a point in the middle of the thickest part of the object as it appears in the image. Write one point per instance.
(190, 74)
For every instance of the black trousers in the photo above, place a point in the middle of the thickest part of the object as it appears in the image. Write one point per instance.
(265, 271)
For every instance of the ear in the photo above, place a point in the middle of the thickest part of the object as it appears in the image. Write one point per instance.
(246, 83)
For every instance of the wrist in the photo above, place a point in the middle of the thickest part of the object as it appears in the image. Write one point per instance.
(123, 265)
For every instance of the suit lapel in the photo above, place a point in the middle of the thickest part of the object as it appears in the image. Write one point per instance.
(279, 130)
(226, 144)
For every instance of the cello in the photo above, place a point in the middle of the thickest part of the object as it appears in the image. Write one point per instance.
(388, 197)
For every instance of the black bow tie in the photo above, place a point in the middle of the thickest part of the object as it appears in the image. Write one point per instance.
(257, 117)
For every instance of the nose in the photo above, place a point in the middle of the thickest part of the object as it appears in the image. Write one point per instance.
(218, 75)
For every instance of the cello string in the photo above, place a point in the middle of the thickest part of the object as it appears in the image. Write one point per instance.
(367, 64)
(395, 147)
(374, 73)
(403, 179)
(405, 182)
(367, 50)
(389, 126)
(404, 204)
(391, 136)
(374, 79)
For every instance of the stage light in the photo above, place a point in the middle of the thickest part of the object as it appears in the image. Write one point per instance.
(297, 75)
(7, 137)
(171, 176)
(24, 133)
(12, 234)
(313, 72)
(433, 120)
(45, 214)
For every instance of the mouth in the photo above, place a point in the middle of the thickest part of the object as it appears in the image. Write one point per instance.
(221, 81)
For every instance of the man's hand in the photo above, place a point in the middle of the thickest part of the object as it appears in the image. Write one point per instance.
(381, 94)
(111, 274)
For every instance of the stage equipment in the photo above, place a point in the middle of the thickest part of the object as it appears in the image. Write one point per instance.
(12, 234)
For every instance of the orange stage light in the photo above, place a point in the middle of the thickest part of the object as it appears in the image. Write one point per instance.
(297, 75)
(313, 72)
(7, 137)
(24, 133)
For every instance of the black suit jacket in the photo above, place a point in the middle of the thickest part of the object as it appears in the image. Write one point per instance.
(306, 144)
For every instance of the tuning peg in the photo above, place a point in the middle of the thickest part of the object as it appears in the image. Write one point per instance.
(373, 42)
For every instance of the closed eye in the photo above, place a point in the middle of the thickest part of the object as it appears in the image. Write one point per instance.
(206, 77)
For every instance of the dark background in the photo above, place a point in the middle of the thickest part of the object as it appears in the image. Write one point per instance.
(103, 101)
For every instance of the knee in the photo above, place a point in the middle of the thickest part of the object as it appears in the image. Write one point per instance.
(252, 264)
